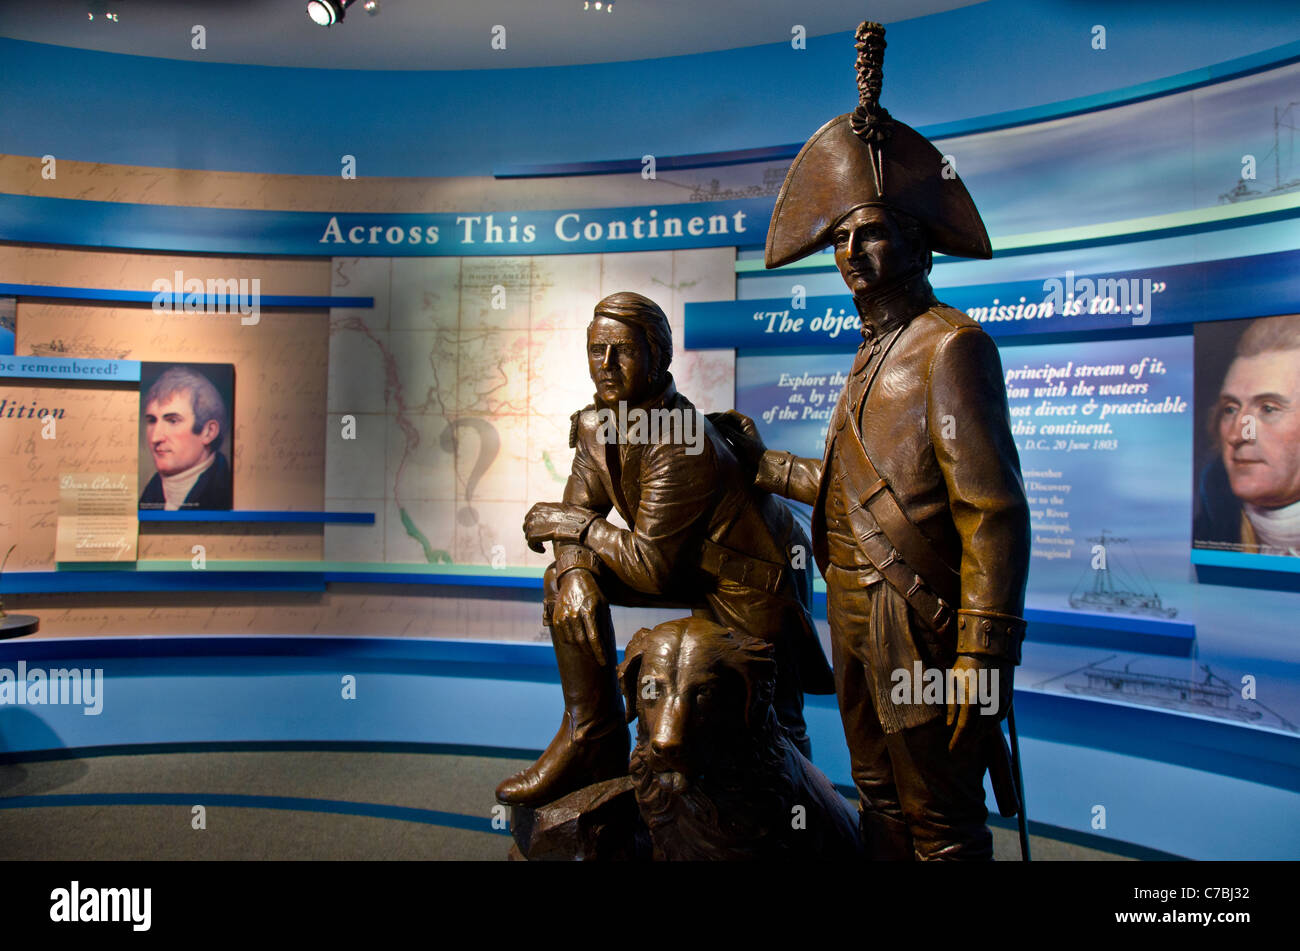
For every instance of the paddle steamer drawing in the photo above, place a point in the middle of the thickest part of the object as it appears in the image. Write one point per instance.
(1116, 590)
(1209, 695)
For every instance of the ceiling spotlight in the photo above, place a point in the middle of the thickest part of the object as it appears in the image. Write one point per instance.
(599, 5)
(100, 8)
(371, 7)
(327, 12)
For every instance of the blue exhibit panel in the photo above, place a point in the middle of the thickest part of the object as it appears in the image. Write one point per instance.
(1177, 784)
(85, 223)
(1169, 296)
(22, 366)
(1245, 560)
(70, 578)
(1116, 632)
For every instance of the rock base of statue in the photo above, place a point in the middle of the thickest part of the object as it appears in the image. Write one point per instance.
(596, 823)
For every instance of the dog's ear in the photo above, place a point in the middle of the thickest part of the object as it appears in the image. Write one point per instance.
(752, 659)
(630, 670)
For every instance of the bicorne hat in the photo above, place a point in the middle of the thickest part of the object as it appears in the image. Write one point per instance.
(868, 158)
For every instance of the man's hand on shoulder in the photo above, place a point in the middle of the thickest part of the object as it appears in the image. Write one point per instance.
(742, 433)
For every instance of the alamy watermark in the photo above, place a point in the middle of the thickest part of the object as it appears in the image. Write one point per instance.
(1104, 295)
(82, 904)
(35, 686)
(217, 295)
(935, 685)
(644, 427)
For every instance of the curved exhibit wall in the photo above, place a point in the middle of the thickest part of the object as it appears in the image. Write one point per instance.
(1170, 786)
(398, 402)
(1002, 56)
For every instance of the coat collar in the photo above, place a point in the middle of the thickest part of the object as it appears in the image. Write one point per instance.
(893, 306)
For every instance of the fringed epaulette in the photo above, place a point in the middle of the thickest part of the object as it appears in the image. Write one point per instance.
(573, 424)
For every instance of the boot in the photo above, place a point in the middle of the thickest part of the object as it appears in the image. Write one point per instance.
(884, 838)
(592, 743)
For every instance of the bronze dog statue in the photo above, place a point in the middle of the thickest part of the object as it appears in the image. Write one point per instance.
(715, 776)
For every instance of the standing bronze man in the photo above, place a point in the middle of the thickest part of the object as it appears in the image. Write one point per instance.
(701, 535)
(920, 524)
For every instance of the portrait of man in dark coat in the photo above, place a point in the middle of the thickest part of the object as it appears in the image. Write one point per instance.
(186, 421)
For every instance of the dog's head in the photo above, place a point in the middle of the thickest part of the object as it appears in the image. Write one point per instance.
(698, 691)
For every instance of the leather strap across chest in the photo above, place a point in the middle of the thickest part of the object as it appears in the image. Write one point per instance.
(892, 543)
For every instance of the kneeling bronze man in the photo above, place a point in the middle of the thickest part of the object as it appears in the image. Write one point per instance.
(702, 536)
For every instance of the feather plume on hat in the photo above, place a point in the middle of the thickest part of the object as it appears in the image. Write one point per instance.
(868, 158)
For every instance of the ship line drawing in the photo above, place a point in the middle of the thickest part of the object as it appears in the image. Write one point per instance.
(57, 348)
(1211, 696)
(1283, 118)
(1126, 595)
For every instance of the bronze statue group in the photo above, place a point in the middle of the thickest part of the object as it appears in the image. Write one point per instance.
(920, 528)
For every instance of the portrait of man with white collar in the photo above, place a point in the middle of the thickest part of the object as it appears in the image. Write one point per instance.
(1248, 493)
(186, 426)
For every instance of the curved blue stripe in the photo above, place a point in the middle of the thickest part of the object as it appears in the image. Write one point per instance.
(69, 577)
(1182, 82)
(83, 223)
(177, 299)
(434, 817)
(253, 515)
(996, 56)
(634, 165)
(1101, 241)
